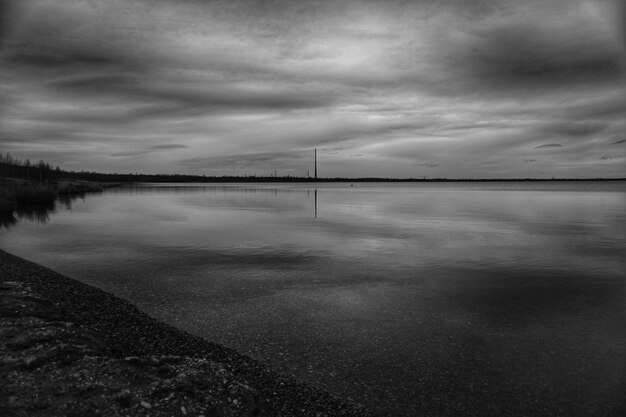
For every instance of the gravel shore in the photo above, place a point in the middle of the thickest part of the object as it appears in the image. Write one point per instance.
(67, 348)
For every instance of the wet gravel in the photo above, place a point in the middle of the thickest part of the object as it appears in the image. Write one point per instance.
(67, 348)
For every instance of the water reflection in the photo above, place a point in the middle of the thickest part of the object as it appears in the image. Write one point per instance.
(38, 213)
(7, 220)
(314, 200)
(66, 200)
(150, 188)
(414, 299)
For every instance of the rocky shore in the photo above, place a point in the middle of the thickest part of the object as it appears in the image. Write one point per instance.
(69, 349)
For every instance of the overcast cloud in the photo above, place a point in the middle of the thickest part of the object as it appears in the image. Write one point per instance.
(436, 88)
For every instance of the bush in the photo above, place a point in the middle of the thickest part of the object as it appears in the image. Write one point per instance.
(35, 194)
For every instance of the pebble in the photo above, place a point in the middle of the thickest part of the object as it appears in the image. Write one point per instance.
(14, 402)
(125, 398)
(9, 360)
(30, 361)
(145, 404)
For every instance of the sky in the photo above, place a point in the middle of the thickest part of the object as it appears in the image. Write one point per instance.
(393, 88)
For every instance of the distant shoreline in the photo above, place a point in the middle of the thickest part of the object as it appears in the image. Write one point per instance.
(97, 182)
(12, 169)
(174, 179)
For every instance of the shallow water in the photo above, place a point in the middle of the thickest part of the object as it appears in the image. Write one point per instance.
(442, 299)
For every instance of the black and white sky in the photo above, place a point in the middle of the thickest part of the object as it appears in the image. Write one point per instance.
(436, 88)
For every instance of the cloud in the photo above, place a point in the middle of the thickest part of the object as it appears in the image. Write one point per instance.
(574, 128)
(168, 146)
(458, 88)
(518, 58)
(548, 145)
(537, 47)
(610, 105)
(5, 19)
(262, 162)
(176, 97)
(146, 151)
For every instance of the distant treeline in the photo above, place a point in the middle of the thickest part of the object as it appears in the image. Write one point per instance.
(25, 169)
(42, 171)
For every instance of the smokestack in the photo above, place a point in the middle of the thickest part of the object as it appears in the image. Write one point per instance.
(315, 163)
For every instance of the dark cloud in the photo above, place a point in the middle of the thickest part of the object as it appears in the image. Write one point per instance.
(619, 141)
(144, 97)
(168, 146)
(251, 158)
(610, 106)
(513, 59)
(559, 46)
(5, 19)
(72, 58)
(574, 128)
(63, 42)
(128, 154)
(548, 145)
(151, 149)
(179, 97)
(262, 162)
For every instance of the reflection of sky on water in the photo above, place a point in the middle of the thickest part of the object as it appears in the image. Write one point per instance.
(412, 298)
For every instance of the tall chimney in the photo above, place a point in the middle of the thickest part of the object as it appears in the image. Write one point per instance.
(315, 163)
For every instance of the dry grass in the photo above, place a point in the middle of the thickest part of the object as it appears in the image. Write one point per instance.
(72, 188)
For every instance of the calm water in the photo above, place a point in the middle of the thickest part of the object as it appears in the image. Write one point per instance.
(439, 299)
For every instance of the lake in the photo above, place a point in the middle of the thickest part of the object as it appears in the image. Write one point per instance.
(437, 299)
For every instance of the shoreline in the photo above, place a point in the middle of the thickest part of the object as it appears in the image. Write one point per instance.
(66, 345)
